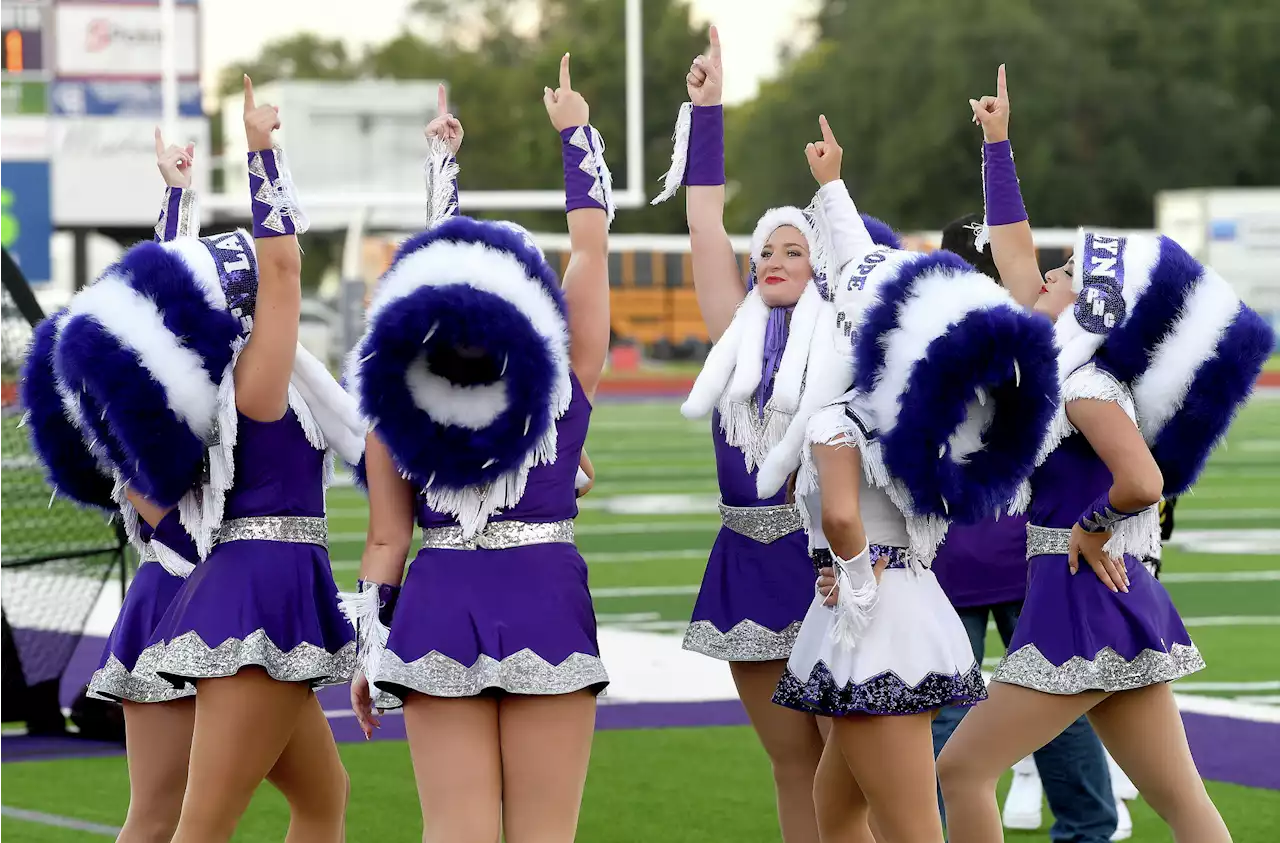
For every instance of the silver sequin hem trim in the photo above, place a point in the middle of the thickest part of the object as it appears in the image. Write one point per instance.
(1047, 541)
(765, 524)
(291, 529)
(525, 672)
(188, 657)
(1107, 671)
(748, 641)
(112, 682)
(499, 535)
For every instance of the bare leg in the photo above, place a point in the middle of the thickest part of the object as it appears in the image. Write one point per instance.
(792, 741)
(243, 723)
(546, 747)
(1011, 724)
(892, 760)
(1143, 731)
(841, 807)
(458, 767)
(310, 775)
(158, 737)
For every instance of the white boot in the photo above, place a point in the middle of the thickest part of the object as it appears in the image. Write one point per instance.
(1023, 805)
(1124, 822)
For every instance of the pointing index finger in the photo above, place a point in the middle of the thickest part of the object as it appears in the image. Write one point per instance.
(248, 94)
(159, 143)
(1002, 91)
(827, 134)
(713, 51)
(442, 101)
(565, 84)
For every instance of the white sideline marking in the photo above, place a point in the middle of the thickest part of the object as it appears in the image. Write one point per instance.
(56, 821)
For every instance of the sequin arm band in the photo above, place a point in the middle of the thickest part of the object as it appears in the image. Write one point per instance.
(587, 182)
(276, 212)
(179, 215)
(1102, 517)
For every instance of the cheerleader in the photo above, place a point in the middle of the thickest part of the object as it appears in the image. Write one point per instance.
(758, 580)
(1157, 354)
(477, 372)
(256, 626)
(952, 388)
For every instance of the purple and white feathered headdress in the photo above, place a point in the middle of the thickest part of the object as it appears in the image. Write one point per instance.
(151, 346)
(464, 366)
(1167, 338)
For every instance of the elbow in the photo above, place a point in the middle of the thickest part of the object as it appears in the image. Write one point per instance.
(839, 524)
(1147, 488)
(388, 546)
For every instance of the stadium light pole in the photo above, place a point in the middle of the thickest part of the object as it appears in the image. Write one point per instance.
(169, 71)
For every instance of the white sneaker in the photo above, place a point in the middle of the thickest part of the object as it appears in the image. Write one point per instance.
(1023, 805)
(1124, 822)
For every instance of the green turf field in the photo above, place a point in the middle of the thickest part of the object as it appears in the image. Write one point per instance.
(645, 531)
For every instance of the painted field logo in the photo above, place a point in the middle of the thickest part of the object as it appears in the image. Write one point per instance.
(1100, 305)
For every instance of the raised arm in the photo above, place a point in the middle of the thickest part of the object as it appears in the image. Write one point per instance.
(266, 364)
(1007, 225)
(588, 208)
(717, 278)
(1136, 484)
(179, 210)
(444, 138)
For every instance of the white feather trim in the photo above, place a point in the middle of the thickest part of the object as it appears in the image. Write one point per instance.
(746, 370)
(829, 374)
(440, 171)
(134, 321)
(789, 381)
(937, 301)
(674, 176)
(776, 218)
(336, 413)
(1192, 340)
(718, 368)
(472, 407)
(476, 265)
(832, 426)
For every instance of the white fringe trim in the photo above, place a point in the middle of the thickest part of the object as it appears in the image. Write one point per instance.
(440, 171)
(361, 610)
(171, 560)
(1138, 536)
(854, 604)
(674, 176)
(832, 426)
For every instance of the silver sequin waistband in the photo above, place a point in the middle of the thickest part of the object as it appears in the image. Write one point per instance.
(499, 535)
(765, 524)
(1044, 541)
(291, 529)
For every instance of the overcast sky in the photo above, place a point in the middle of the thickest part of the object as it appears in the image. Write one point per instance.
(751, 31)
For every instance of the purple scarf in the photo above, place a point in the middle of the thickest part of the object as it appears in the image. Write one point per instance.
(775, 342)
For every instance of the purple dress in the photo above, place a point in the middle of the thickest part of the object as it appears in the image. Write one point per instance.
(514, 616)
(759, 578)
(127, 669)
(1074, 633)
(265, 595)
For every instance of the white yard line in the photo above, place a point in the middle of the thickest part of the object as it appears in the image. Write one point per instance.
(56, 821)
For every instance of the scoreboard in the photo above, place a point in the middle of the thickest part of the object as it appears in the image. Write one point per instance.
(23, 26)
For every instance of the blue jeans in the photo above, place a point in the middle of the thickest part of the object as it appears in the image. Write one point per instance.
(1073, 766)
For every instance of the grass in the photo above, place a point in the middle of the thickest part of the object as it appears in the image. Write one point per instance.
(649, 522)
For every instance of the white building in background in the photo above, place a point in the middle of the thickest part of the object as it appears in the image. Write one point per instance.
(360, 137)
(1234, 230)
